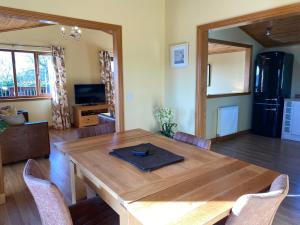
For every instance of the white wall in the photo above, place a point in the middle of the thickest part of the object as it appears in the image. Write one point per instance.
(227, 71)
(81, 60)
(295, 50)
(143, 46)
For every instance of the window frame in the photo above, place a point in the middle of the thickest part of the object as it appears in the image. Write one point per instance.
(248, 68)
(37, 76)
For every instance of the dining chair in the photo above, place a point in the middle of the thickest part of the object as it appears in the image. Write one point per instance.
(106, 128)
(193, 140)
(259, 209)
(52, 208)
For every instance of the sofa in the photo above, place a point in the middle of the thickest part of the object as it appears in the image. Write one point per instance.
(22, 142)
(106, 118)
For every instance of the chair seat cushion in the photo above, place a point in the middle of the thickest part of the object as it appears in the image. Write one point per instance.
(93, 211)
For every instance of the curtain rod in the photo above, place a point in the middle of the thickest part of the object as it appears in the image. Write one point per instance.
(36, 46)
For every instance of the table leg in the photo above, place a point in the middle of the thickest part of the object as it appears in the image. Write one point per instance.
(124, 217)
(72, 182)
(127, 219)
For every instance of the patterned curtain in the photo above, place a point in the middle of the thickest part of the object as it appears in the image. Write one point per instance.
(60, 108)
(106, 77)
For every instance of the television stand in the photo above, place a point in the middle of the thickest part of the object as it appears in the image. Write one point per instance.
(87, 115)
(90, 104)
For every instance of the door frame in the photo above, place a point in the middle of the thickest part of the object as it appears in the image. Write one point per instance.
(112, 29)
(202, 53)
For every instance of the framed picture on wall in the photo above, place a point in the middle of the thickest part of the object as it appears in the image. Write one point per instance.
(179, 55)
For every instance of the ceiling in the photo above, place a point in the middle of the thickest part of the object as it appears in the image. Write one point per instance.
(284, 31)
(217, 48)
(12, 23)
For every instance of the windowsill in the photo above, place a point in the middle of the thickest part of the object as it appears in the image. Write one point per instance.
(228, 95)
(17, 99)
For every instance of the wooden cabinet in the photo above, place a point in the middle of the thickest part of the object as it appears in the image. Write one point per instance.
(88, 115)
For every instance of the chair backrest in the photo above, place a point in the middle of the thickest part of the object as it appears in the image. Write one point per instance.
(48, 198)
(193, 140)
(106, 128)
(260, 209)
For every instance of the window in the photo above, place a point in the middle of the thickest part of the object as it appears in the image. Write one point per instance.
(7, 83)
(25, 74)
(229, 68)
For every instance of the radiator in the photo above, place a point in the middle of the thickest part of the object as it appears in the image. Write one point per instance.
(228, 117)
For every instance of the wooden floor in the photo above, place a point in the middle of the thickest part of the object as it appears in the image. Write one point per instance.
(20, 208)
(283, 156)
(276, 154)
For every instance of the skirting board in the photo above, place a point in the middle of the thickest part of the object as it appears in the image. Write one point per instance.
(228, 137)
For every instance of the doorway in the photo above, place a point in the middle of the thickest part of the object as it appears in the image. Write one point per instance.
(202, 53)
(114, 30)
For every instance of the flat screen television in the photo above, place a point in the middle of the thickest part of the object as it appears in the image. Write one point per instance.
(88, 94)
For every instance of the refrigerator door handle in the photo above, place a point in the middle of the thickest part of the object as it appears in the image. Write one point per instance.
(273, 109)
(269, 104)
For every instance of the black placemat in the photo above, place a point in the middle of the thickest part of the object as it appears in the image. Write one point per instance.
(156, 158)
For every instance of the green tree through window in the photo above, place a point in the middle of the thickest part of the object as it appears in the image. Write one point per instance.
(6, 74)
(32, 74)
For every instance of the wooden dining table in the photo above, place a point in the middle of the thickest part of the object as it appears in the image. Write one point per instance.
(199, 190)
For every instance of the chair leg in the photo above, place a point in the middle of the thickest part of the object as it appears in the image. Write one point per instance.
(72, 182)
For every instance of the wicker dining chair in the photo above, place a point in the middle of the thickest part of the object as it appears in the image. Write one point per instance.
(54, 211)
(106, 128)
(259, 209)
(193, 140)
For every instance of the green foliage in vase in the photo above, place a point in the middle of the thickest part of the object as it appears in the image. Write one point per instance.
(165, 117)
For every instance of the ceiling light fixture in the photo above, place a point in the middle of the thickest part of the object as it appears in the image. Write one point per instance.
(48, 22)
(75, 33)
(268, 31)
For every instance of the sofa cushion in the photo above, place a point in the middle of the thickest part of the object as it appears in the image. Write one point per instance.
(8, 110)
(13, 119)
(23, 142)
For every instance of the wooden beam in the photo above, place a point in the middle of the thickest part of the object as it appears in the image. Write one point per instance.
(292, 9)
(202, 58)
(214, 49)
(55, 19)
(230, 43)
(248, 70)
(118, 79)
(24, 28)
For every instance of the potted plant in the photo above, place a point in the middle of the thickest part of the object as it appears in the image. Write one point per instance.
(165, 118)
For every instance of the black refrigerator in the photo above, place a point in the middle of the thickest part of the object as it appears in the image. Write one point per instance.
(272, 84)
